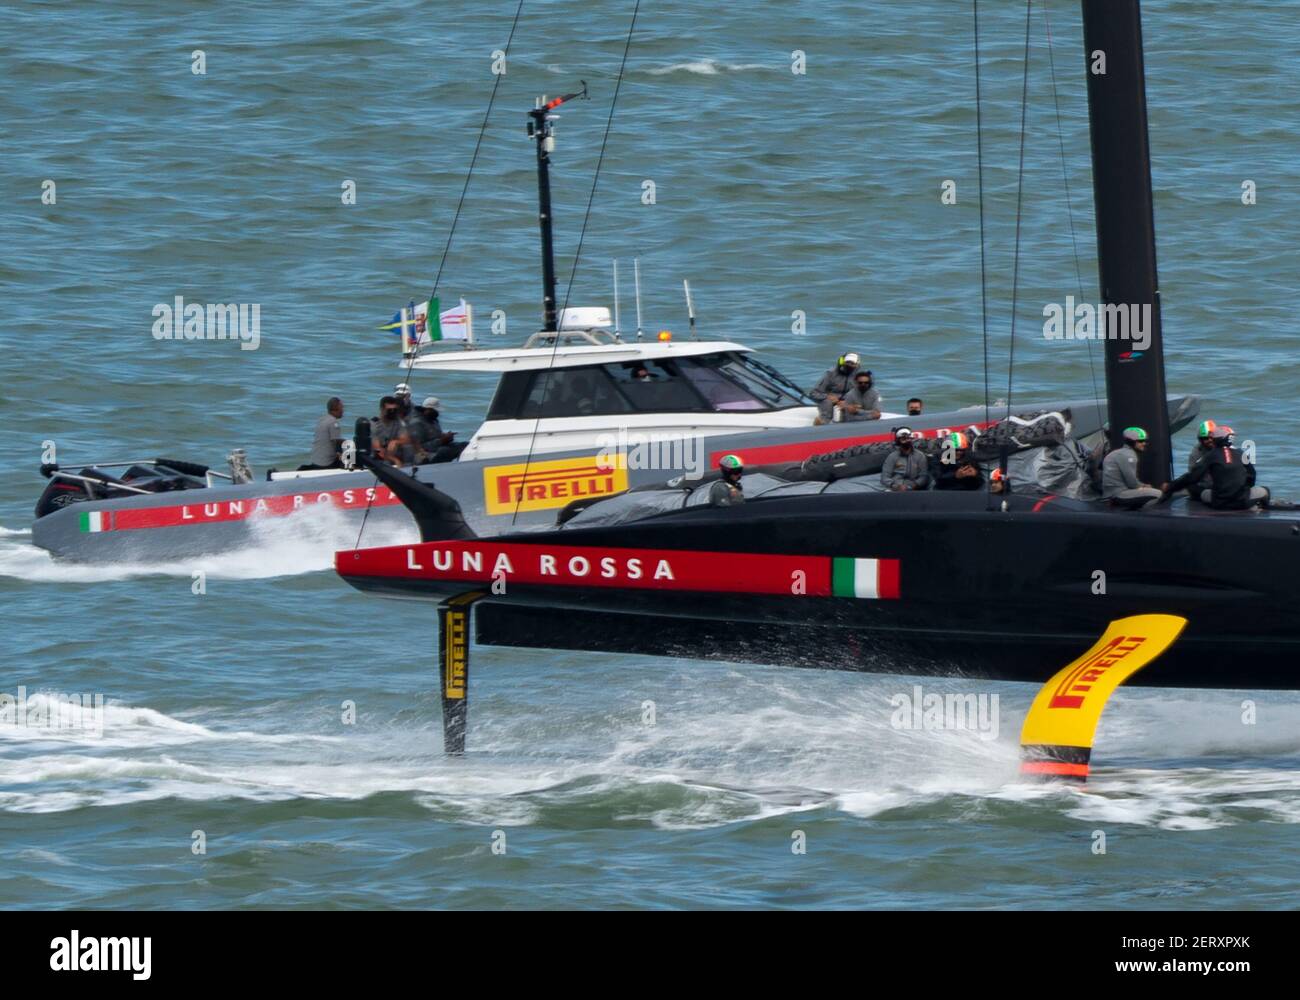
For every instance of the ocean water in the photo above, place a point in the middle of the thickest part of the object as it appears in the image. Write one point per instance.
(774, 193)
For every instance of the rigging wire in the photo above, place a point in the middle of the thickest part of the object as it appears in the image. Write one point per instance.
(1020, 191)
(1069, 201)
(984, 284)
(979, 157)
(469, 174)
(577, 255)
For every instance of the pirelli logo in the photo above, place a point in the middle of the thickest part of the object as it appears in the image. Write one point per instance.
(551, 484)
(454, 646)
(1073, 688)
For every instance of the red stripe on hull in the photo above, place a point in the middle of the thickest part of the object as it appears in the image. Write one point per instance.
(240, 510)
(592, 566)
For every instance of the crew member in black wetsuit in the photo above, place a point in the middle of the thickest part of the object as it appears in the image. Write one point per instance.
(955, 469)
(1204, 443)
(1232, 478)
(727, 491)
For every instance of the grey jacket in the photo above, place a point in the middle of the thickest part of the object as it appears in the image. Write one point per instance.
(1119, 472)
(911, 470)
(869, 401)
(834, 381)
(426, 432)
(723, 494)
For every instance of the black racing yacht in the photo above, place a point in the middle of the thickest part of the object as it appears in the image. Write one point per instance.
(824, 568)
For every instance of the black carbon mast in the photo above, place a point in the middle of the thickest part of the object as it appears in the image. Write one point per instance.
(1126, 234)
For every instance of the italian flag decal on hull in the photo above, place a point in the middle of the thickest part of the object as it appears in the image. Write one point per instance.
(94, 521)
(871, 578)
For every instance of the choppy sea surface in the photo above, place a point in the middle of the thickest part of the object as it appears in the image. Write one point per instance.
(225, 723)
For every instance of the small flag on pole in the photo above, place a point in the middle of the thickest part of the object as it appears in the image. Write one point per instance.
(416, 330)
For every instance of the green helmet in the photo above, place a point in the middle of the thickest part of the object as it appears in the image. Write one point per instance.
(1205, 430)
(1134, 434)
(731, 463)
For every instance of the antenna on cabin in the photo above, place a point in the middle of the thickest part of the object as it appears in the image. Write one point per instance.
(690, 306)
(541, 130)
(616, 327)
(636, 273)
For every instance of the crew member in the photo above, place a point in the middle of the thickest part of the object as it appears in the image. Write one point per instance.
(389, 435)
(402, 393)
(328, 440)
(905, 468)
(914, 407)
(959, 472)
(1204, 443)
(727, 491)
(1232, 478)
(862, 402)
(431, 442)
(999, 482)
(1119, 474)
(834, 386)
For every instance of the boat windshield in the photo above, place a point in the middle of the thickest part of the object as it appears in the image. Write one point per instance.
(771, 389)
(725, 382)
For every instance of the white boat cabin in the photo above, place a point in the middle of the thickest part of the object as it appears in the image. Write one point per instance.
(564, 391)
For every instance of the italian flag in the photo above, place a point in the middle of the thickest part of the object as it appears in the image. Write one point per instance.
(869, 578)
(94, 521)
(432, 325)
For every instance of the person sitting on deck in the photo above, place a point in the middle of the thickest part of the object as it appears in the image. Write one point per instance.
(1232, 478)
(431, 442)
(862, 402)
(389, 435)
(727, 491)
(1119, 474)
(1204, 443)
(834, 386)
(905, 468)
(328, 441)
(956, 470)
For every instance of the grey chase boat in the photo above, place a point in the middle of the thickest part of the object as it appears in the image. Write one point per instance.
(568, 422)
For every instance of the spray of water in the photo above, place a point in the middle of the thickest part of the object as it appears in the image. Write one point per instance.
(304, 542)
